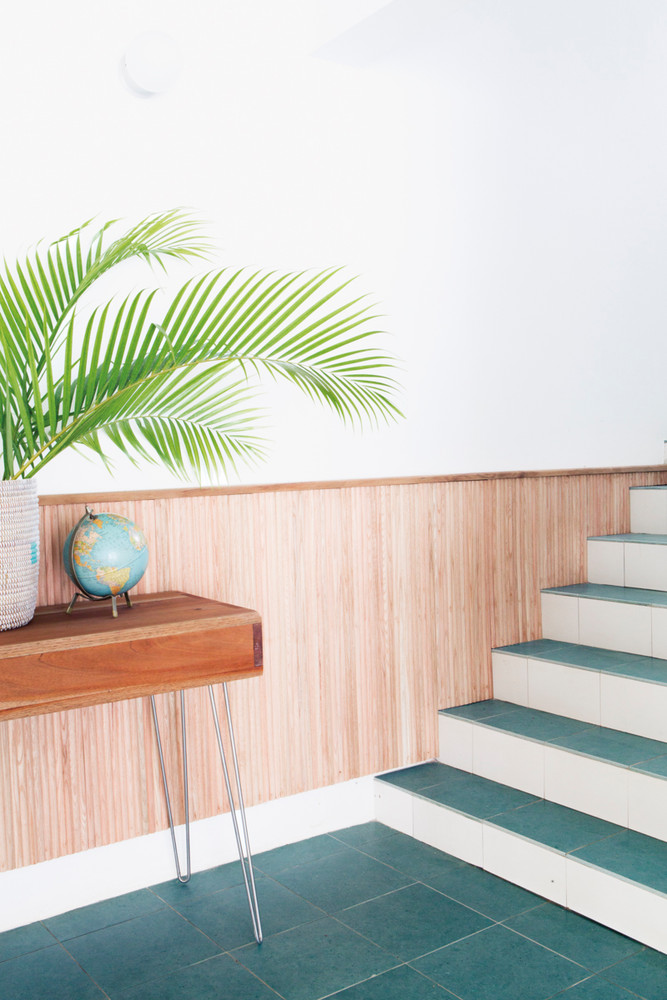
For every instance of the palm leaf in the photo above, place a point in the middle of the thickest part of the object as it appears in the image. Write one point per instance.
(179, 389)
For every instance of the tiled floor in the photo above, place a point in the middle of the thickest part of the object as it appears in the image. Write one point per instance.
(365, 914)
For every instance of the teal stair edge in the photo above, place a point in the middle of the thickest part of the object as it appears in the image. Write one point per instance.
(610, 848)
(645, 668)
(641, 538)
(607, 592)
(612, 746)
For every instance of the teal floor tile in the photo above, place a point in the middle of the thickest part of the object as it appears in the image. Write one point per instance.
(593, 658)
(590, 657)
(644, 974)
(490, 895)
(315, 960)
(342, 880)
(498, 964)
(200, 884)
(413, 858)
(478, 797)
(596, 988)
(397, 984)
(656, 766)
(536, 647)
(103, 914)
(645, 668)
(140, 950)
(225, 916)
(364, 833)
(537, 725)
(632, 855)
(218, 978)
(292, 855)
(162, 955)
(591, 945)
(604, 592)
(556, 826)
(416, 780)
(413, 921)
(480, 709)
(610, 744)
(49, 974)
(422, 775)
(643, 538)
(24, 940)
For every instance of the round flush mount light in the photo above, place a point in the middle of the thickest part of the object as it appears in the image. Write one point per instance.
(151, 64)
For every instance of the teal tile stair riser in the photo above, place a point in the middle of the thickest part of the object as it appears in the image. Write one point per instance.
(559, 783)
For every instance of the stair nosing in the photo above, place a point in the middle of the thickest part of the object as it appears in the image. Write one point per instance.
(558, 746)
(632, 538)
(643, 598)
(572, 854)
(508, 651)
(617, 875)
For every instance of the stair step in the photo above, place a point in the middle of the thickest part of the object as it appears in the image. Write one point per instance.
(630, 560)
(648, 509)
(622, 691)
(613, 775)
(628, 619)
(612, 875)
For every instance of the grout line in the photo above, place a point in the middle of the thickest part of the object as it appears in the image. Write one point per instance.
(85, 971)
(360, 982)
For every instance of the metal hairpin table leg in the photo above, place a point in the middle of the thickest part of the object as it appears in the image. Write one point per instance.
(242, 841)
(186, 877)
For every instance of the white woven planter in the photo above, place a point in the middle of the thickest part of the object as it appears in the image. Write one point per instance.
(19, 551)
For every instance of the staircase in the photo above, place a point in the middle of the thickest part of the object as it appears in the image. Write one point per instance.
(559, 783)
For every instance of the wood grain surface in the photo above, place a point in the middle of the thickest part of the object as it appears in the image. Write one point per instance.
(92, 624)
(334, 484)
(58, 661)
(379, 604)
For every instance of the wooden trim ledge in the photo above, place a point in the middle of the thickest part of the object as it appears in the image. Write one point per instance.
(186, 492)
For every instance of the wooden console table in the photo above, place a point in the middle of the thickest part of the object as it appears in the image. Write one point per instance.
(165, 642)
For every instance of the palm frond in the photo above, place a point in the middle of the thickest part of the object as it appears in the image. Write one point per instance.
(178, 389)
(44, 288)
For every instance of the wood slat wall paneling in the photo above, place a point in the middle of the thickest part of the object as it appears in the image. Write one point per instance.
(380, 603)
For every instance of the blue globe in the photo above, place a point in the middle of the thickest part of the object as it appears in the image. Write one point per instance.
(105, 555)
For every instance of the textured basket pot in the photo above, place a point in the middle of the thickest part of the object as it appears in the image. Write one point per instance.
(19, 552)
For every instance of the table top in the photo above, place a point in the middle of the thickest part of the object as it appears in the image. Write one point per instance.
(165, 642)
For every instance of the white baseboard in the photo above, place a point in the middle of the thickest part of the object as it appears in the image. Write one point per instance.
(51, 887)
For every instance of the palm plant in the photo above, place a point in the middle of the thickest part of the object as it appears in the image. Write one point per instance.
(178, 390)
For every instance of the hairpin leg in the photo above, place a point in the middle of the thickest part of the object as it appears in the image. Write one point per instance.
(242, 839)
(186, 877)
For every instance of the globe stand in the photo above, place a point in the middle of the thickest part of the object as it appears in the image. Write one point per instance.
(112, 597)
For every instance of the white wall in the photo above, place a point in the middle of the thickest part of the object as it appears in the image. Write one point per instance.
(494, 169)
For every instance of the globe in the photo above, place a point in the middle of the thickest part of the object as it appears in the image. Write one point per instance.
(105, 555)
